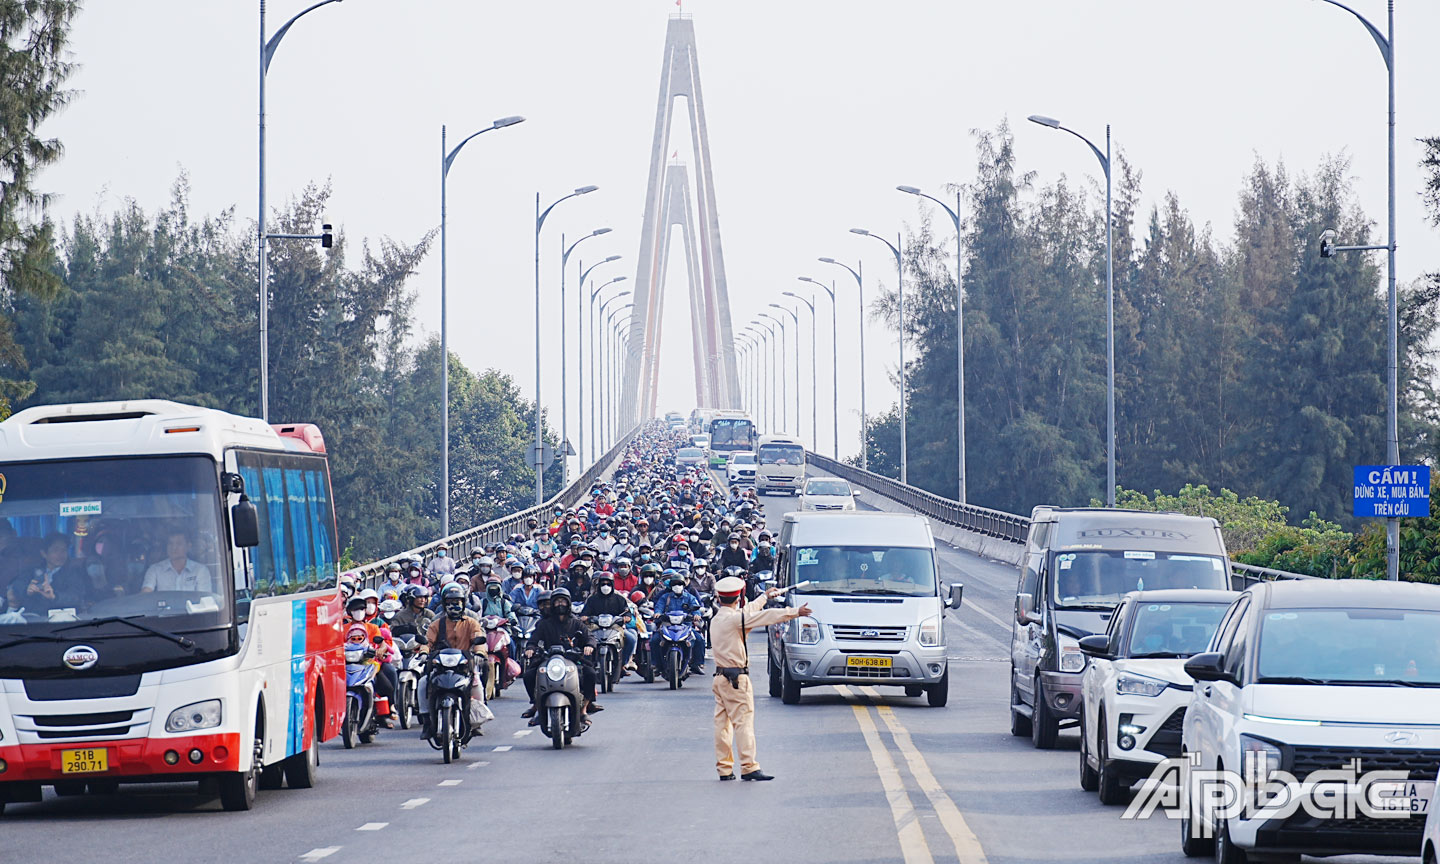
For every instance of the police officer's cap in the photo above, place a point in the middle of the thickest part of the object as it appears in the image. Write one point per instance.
(730, 586)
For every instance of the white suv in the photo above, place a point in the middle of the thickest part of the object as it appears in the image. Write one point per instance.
(740, 469)
(1134, 689)
(1312, 675)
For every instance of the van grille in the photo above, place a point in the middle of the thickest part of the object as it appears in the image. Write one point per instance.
(858, 633)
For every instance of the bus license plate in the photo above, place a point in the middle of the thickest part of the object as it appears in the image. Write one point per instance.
(87, 761)
(869, 662)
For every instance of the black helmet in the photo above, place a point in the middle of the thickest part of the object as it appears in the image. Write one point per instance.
(356, 603)
(544, 597)
(651, 569)
(560, 592)
(531, 570)
(738, 572)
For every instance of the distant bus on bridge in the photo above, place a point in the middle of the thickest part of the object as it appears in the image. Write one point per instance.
(168, 600)
(730, 432)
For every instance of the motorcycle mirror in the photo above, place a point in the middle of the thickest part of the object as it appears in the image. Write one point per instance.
(378, 640)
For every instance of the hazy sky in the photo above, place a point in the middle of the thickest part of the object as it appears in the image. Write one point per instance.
(816, 110)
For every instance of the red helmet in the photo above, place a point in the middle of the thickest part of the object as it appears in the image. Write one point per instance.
(637, 596)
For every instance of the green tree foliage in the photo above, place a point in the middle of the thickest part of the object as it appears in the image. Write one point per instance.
(163, 306)
(33, 71)
(1256, 366)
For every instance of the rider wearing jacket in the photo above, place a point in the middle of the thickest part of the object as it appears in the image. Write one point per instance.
(563, 628)
(608, 601)
(676, 599)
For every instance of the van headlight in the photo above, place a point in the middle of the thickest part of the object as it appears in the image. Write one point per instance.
(930, 632)
(806, 631)
(1139, 685)
(196, 715)
(1071, 660)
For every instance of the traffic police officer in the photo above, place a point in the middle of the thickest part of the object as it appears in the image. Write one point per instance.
(734, 697)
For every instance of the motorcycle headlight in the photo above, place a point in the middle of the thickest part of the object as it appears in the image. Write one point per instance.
(1071, 660)
(930, 632)
(1139, 685)
(806, 631)
(605, 620)
(555, 670)
(450, 661)
(196, 715)
(677, 617)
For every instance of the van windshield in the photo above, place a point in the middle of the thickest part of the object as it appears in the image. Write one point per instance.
(1099, 578)
(902, 571)
(782, 454)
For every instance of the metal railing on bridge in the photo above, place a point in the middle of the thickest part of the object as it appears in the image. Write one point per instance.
(992, 523)
(497, 530)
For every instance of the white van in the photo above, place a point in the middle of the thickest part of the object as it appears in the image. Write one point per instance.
(876, 602)
(781, 466)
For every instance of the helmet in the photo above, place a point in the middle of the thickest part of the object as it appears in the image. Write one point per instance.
(544, 597)
(604, 576)
(393, 567)
(355, 604)
(651, 569)
(560, 593)
(388, 608)
(700, 564)
(452, 591)
(369, 594)
(531, 570)
(492, 579)
(622, 562)
(487, 561)
(637, 597)
(579, 566)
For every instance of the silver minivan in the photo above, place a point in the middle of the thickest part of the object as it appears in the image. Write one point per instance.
(876, 603)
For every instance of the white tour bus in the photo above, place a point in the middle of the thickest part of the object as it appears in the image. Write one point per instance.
(168, 601)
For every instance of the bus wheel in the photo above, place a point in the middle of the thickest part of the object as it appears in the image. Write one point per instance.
(237, 789)
(302, 768)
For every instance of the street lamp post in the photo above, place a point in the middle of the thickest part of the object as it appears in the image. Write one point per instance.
(859, 284)
(794, 317)
(564, 396)
(595, 420)
(267, 53)
(772, 371)
(1386, 43)
(447, 157)
(959, 335)
(621, 350)
(1104, 158)
(834, 362)
(780, 371)
(814, 378)
(539, 440)
(580, 328)
(900, 295)
(608, 374)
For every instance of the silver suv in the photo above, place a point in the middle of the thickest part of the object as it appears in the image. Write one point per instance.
(875, 596)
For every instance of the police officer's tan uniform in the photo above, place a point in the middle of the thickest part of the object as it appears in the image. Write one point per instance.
(734, 697)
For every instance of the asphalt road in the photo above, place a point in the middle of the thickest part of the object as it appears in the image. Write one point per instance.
(862, 776)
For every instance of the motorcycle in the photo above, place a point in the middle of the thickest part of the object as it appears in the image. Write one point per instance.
(412, 667)
(557, 697)
(450, 671)
(676, 634)
(644, 662)
(609, 633)
(528, 617)
(497, 640)
(363, 709)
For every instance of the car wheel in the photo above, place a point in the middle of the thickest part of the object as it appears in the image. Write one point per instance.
(1044, 729)
(1112, 789)
(1192, 845)
(1089, 779)
(1226, 852)
(1019, 723)
(789, 688)
(938, 694)
(774, 677)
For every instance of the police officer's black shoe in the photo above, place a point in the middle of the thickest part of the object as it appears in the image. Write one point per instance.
(730, 776)
(756, 775)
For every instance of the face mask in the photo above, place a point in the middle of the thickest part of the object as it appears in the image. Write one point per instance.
(764, 544)
(649, 580)
(604, 533)
(528, 581)
(484, 568)
(605, 589)
(677, 589)
(454, 611)
(371, 609)
(441, 554)
(735, 545)
(561, 609)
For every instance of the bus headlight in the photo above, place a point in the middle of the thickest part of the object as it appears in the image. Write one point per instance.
(197, 715)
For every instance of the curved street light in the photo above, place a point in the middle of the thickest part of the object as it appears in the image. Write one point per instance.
(814, 383)
(860, 285)
(900, 295)
(834, 361)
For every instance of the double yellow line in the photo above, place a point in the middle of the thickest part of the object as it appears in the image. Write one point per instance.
(913, 845)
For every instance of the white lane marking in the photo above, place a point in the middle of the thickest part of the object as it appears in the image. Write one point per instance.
(372, 826)
(521, 733)
(473, 765)
(912, 838)
(501, 749)
(322, 852)
(967, 845)
(449, 782)
(414, 802)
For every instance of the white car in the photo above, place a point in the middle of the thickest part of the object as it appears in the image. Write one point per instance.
(740, 469)
(827, 493)
(1310, 675)
(1134, 689)
(1430, 851)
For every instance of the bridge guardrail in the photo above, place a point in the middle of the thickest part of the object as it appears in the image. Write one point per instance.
(993, 523)
(497, 530)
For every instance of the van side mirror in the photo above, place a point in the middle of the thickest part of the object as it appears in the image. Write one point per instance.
(1024, 609)
(1209, 666)
(1097, 645)
(957, 592)
(245, 523)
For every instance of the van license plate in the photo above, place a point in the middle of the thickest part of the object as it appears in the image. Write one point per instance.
(88, 761)
(869, 662)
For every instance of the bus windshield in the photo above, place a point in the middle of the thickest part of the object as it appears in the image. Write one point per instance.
(128, 538)
(732, 433)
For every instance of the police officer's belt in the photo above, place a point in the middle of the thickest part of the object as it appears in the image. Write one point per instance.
(732, 673)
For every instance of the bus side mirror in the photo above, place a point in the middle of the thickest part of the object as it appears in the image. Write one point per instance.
(245, 524)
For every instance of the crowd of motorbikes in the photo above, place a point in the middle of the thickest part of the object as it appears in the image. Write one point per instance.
(434, 642)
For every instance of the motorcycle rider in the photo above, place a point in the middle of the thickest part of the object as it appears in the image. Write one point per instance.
(577, 580)
(442, 562)
(494, 602)
(702, 581)
(764, 557)
(626, 579)
(513, 579)
(392, 577)
(732, 555)
(562, 628)
(607, 601)
(676, 599)
(527, 593)
(416, 613)
(650, 580)
(454, 629)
